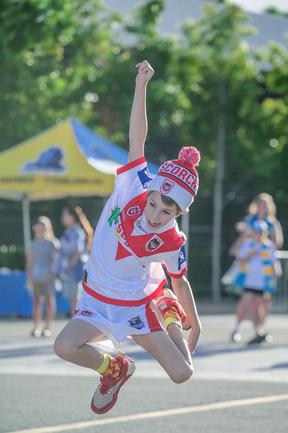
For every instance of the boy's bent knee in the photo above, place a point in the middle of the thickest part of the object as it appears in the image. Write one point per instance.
(63, 349)
(183, 375)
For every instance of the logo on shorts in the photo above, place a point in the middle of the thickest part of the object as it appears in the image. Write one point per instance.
(144, 177)
(133, 210)
(136, 322)
(85, 313)
(166, 186)
(154, 243)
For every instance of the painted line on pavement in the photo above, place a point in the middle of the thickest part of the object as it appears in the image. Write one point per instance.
(157, 414)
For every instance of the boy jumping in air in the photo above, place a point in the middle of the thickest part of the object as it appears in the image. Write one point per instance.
(124, 278)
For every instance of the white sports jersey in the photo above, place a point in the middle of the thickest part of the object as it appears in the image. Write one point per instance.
(125, 263)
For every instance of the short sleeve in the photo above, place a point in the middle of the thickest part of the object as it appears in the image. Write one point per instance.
(133, 177)
(176, 265)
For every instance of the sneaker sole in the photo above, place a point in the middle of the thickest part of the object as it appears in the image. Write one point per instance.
(130, 371)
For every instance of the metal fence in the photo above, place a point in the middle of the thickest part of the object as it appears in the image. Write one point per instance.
(200, 235)
(280, 301)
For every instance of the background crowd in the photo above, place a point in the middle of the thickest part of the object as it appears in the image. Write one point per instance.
(252, 276)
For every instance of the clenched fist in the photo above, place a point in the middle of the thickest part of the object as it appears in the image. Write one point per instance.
(145, 72)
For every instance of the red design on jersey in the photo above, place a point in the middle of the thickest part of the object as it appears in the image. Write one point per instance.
(134, 210)
(175, 276)
(121, 252)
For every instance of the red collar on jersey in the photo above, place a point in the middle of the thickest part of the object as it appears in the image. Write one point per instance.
(150, 243)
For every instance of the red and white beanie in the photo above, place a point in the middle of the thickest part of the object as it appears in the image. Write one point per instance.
(178, 178)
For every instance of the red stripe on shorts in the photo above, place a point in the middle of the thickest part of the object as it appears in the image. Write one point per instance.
(152, 320)
(124, 302)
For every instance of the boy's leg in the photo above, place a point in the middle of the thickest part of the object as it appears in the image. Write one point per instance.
(178, 367)
(71, 345)
(175, 332)
(170, 312)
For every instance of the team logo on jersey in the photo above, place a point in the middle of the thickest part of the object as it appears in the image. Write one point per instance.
(114, 217)
(181, 257)
(144, 177)
(166, 186)
(136, 322)
(154, 243)
(133, 210)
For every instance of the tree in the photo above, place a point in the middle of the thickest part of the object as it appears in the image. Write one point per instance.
(166, 100)
(52, 55)
(272, 168)
(210, 89)
(219, 75)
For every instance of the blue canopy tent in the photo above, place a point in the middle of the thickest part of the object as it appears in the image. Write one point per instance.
(104, 156)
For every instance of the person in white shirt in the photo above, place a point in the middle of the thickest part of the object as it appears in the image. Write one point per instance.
(124, 278)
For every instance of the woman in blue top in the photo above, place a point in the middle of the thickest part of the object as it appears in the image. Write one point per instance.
(39, 264)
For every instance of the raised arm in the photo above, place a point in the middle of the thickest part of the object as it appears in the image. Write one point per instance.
(138, 119)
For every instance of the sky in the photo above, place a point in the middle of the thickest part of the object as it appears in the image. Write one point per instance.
(256, 6)
(260, 5)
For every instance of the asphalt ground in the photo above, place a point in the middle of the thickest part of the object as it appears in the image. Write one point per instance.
(236, 388)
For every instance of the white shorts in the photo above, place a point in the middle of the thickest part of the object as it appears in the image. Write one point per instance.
(117, 322)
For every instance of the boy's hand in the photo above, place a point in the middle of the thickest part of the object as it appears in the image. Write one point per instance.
(193, 338)
(145, 72)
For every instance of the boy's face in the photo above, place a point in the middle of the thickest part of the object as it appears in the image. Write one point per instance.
(157, 213)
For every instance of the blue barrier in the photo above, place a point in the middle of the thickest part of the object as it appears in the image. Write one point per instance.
(15, 299)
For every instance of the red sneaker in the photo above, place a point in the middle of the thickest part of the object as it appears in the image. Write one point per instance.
(170, 309)
(106, 394)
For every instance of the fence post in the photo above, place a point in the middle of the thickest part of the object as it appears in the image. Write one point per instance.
(26, 223)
